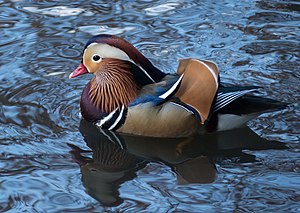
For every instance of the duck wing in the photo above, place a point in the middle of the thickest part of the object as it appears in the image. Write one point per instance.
(250, 104)
(158, 93)
(227, 95)
(193, 88)
(234, 107)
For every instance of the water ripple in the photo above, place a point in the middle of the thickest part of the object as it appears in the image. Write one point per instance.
(96, 29)
(253, 43)
(58, 11)
(162, 8)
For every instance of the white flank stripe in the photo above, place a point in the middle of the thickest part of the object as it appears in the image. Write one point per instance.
(212, 72)
(172, 89)
(118, 119)
(105, 119)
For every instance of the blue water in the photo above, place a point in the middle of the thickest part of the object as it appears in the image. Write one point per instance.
(52, 162)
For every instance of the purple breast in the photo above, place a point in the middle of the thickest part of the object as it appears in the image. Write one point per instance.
(89, 110)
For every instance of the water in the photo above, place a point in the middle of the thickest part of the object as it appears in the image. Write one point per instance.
(52, 162)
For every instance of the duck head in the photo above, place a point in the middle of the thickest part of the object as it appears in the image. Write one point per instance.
(102, 48)
(119, 69)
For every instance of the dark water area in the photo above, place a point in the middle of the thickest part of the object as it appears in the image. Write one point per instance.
(50, 161)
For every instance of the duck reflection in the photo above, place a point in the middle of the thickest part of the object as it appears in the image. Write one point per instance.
(116, 157)
(109, 165)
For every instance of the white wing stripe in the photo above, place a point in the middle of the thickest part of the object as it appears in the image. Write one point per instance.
(172, 89)
(212, 73)
(228, 100)
(225, 98)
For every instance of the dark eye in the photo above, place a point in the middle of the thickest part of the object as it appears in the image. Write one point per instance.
(96, 58)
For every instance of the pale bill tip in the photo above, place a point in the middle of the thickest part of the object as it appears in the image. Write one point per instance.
(71, 75)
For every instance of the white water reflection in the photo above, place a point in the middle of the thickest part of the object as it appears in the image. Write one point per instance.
(163, 8)
(58, 11)
(103, 29)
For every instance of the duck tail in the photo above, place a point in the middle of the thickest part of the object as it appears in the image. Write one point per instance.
(250, 104)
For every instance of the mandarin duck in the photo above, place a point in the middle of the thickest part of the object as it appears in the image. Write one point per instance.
(128, 94)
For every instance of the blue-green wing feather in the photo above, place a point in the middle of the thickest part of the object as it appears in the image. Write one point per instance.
(158, 93)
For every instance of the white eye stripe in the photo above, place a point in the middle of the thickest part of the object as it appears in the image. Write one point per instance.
(108, 51)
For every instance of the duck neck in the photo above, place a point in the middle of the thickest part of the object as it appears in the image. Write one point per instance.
(151, 71)
(106, 92)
